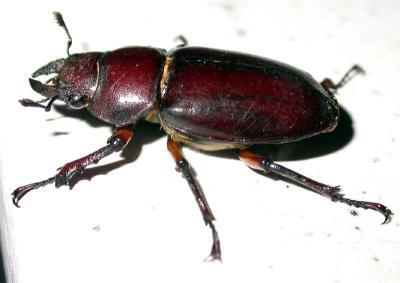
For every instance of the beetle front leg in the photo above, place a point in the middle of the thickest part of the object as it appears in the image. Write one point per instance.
(184, 167)
(266, 165)
(119, 139)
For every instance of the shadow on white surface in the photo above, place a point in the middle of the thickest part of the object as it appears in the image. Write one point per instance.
(145, 133)
(2, 275)
(3, 236)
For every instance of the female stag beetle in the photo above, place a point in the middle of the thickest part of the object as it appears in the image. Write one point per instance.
(205, 98)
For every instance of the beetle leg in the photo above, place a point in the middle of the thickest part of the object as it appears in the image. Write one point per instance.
(184, 167)
(183, 40)
(120, 138)
(328, 85)
(266, 165)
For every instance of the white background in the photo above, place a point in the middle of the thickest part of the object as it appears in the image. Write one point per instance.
(137, 221)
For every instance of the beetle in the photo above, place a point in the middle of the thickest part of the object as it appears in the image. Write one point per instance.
(204, 98)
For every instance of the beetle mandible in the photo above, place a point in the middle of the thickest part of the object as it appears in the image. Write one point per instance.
(205, 98)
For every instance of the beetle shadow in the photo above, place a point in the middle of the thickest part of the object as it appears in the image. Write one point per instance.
(315, 146)
(318, 145)
(144, 133)
(80, 114)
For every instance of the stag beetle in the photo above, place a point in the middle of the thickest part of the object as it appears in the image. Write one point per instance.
(205, 98)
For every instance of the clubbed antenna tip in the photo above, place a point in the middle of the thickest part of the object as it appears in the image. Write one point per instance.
(60, 21)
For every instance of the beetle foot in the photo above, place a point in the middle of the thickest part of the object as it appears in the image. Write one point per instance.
(386, 212)
(20, 192)
(215, 254)
(213, 257)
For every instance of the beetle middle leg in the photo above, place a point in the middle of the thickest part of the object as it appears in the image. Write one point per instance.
(266, 165)
(119, 139)
(184, 167)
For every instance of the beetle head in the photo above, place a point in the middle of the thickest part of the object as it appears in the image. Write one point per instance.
(74, 81)
(74, 78)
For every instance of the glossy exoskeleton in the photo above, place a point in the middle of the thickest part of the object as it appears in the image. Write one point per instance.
(205, 98)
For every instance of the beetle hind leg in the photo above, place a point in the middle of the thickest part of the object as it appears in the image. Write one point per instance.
(183, 166)
(266, 165)
(183, 41)
(330, 86)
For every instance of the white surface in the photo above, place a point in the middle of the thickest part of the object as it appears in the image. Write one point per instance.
(139, 222)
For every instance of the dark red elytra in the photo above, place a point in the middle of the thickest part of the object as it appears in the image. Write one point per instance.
(205, 98)
(219, 96)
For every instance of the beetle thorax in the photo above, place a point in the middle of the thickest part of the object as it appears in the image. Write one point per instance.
(127, 85)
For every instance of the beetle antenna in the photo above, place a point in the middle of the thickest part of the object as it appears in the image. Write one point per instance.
(26, 102)
(355, 70)
(30, 103)
(61, 23)
(47, 108)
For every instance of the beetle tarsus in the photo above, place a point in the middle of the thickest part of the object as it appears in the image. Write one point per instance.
(20, 192)
(215, 254)
(331, 87)
(387, 213)
(349, 75)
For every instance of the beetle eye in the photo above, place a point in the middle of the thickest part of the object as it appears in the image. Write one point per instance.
(77, 101)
